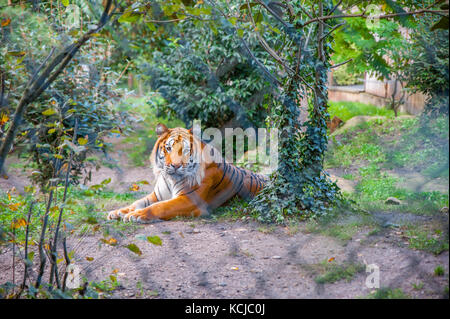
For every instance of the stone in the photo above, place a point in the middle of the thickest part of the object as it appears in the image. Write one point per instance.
(392, 201)
(444, 210)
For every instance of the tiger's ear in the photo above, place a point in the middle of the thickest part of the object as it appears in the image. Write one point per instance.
(161, 129)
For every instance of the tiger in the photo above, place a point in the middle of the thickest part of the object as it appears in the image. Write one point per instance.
(192, 179)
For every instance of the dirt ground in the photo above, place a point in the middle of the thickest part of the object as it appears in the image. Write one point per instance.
(207, 258)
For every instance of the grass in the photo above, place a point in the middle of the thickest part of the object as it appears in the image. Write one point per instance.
(368, 151)
(388, 293)
(427, 238)
(84, 211)
(439, 271)
(342, 226)
(331, 272)
(347, 110)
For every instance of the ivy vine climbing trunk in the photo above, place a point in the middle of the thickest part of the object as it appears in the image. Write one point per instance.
(299, 185)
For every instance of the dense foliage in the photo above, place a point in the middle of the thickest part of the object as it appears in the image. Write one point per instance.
(429, 72)
(83, 93)
(203, 76)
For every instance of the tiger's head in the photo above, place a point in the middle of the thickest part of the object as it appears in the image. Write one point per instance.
(177, 154)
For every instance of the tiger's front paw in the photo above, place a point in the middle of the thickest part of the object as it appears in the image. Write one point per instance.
(143, 216)
(119, 213)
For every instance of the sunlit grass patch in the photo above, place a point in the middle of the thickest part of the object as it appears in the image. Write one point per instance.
(346, 110)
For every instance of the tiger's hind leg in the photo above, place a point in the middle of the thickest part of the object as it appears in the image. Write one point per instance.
(251, 185)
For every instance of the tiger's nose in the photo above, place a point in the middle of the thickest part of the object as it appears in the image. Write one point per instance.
(176, 166)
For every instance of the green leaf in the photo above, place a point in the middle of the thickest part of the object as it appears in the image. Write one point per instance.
(232, 20)
(155, 240)
(16, 53)
(129, 16)
(65, 2)
(135, 249)
(49, 112)
(51, 131)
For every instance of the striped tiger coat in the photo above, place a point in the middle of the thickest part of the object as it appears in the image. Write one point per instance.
(191, 178)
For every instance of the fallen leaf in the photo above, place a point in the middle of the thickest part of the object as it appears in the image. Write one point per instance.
(111, 241)
(331, 259)
(134, 187)
(155, 240)
(135, 249)
(234, 268)
(89, 258)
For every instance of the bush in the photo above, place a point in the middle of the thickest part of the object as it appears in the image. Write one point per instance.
(203, 76)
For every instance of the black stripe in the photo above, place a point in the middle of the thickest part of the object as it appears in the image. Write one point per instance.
(191, 191)
(241, 183)
(224, 173)
(234, 171)
(165, 182)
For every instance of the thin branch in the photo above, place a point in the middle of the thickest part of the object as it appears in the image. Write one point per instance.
(339, 64)
(273, 13)
(335, 7)
(67, 259)
(54, 268)
(265, 45)
(333, 29)
(384, 16)
(25, 272)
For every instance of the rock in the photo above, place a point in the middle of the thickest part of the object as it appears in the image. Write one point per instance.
(392, 201)
(444, 210)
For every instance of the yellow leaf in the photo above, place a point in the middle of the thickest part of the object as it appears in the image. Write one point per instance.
(234, 268)
(82, 141)
(3, 118)
(89, 258)
(9, 196)
(6, 22)
(115, 271)
(111, 241)
(331, 259)
(134, 187)
(51, 131)
(19, 223)
(14, 207)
